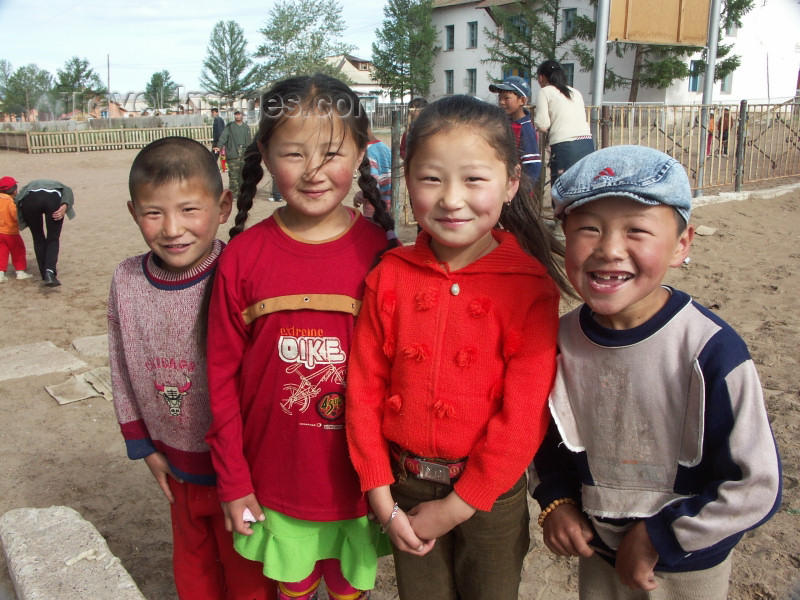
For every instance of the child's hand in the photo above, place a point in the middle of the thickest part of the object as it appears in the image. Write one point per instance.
(159, 467)
(234, 514)
(404, 537)
(567, 532)
(636, 559)
(398, 527)
(433, 519)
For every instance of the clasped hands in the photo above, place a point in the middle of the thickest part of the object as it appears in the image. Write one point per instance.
(416, 531)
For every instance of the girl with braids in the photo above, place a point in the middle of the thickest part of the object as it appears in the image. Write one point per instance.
(453, 359)
(280, 326)
(560, 112)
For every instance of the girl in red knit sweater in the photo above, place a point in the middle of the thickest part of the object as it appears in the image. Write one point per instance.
(280, 325)
(453, 360)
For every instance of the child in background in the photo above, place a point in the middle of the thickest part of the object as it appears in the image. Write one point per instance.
(512, 96)
(156, 335)
(710, 137)
(11, 242)
(281, 322)
(380, 165)
(660, 456)
(724, 128)
(453, 359)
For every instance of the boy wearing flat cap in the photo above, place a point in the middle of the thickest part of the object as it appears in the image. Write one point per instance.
(660, 454)
(513, 94)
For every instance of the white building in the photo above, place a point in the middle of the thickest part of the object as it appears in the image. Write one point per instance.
(768, 43)
(360, 72)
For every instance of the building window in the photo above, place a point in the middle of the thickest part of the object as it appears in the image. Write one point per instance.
(727, 84)
(448, 82)
(472, 81)
(695, 76)
(472, 34)
(569, 73)
(449, 37)
(568, 18)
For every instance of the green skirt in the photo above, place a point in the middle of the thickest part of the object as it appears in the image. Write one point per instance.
(289, 548)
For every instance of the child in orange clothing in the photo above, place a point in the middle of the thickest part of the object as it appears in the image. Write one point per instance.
(10, 240)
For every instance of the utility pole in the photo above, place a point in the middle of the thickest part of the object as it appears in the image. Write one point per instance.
(708, 87)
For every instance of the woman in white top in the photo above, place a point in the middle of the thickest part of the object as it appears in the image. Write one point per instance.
(560, 112)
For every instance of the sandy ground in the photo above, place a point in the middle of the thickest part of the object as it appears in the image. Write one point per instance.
(74, 455)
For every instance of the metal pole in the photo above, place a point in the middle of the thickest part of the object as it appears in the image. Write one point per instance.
(708, 87)
(396, 167)
(599, 73)
(741, 134)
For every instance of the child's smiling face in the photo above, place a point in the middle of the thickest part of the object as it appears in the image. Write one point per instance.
(179, 220)
(458, 185)
(618, 252)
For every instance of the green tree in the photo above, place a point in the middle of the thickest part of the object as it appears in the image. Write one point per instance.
(26, 88)
(299, 36)
(77, 83)
(228, 70)
(161, 92)
(526, 35)
(405, 48)
(5, 73)
(657, 66)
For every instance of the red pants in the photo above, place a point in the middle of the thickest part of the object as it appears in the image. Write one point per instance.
(12, 243)
(205, 565)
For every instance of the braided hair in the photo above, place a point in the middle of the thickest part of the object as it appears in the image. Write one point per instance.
(523, 215)
(319, 94)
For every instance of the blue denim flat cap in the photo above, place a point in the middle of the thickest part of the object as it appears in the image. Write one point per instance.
(637, 172)
(512, 84)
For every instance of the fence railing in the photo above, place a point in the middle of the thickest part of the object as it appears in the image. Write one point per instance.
(741, 144)
(39, 142)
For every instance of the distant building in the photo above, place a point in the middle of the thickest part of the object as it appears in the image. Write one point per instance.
(360, 72)
(767, 42)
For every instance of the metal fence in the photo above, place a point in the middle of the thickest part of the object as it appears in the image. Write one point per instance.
(741, 144)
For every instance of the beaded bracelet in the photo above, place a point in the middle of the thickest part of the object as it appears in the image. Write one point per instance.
(551, 507)
(385, 526)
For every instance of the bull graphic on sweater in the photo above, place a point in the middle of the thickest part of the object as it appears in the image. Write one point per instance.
(173, 395)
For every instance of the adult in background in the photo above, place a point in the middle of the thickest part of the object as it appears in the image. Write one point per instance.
(217, 126)
(561, 113)
(41, 206)
(235, 139)
(512, 96)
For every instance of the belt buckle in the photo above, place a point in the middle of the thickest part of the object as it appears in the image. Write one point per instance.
(433, 472)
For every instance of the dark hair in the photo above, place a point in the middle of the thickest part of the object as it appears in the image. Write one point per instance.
(523, 215)
(555, 76)
(417, 103)
(174, 158)
(215, 109)
(297, 96)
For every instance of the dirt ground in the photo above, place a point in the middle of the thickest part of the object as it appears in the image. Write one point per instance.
(73, 455)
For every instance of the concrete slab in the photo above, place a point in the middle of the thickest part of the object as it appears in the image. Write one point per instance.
(55, 553)
(95, 346)
(36, 359)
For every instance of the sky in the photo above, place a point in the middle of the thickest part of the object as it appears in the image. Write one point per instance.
(132, 40)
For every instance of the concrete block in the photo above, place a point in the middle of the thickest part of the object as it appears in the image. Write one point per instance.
(95, 346)
(38, 358)
(53, 553)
